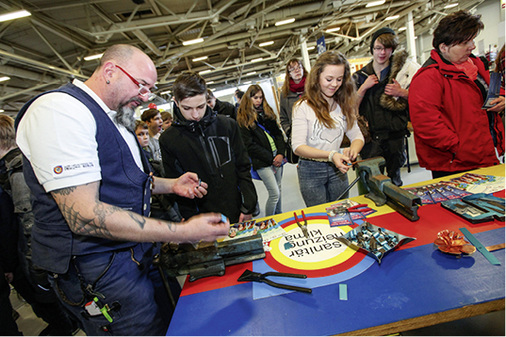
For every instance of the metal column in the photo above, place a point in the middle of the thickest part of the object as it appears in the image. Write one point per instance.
(410, 35)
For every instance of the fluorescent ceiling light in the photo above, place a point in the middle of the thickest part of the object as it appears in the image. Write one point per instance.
(93, 57)
(264, 44)
(14, 15)
(335, 29)
(4, 78)
(402, 29)
(284, 22)
(225, 92)
(204, 72)
(311, 48)
(393, 17)
(451, 5)
(199, 59)
(210, 82)
(2, 110)
(375, 3)
(247, 82)
(257, 60)
(165, 92)
(194, 41)
(251, 73)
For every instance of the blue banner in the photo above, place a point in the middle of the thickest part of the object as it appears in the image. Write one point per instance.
(320, 44)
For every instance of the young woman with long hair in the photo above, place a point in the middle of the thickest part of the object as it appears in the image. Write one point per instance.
(264, 140)
(324, 114)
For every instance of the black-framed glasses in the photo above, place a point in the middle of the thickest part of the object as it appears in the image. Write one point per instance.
(143, 90)
(380, 48)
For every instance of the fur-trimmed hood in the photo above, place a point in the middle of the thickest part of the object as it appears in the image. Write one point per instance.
(403, 70)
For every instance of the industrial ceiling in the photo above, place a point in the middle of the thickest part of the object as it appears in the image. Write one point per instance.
(46, 49)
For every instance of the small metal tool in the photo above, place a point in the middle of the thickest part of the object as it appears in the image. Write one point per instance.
(249, 275)
(495, 247)
(303, 226)
(357, 209)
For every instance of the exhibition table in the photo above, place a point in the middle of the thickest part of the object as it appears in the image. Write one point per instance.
(415, 285)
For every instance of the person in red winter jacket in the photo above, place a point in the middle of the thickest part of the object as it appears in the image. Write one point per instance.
(453, 133)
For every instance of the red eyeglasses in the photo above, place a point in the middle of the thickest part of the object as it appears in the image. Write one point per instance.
(143, 90)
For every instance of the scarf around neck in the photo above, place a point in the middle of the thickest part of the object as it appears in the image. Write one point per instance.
(297, 87)
(469, 68)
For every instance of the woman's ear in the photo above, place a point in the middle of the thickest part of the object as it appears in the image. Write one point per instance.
(443, 48)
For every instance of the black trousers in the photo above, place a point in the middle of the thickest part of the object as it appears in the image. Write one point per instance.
(394, 152)
(440, 174)
(44, 303)
(8, 326)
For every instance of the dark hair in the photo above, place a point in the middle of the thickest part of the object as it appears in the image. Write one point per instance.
(148, 114)
(285, 89)
(239, 93)
(210, 94)
(189, 84)
(456, 28)
(388, 41)
(386, 36)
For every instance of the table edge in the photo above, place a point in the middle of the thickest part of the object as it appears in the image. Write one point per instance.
(429, 320)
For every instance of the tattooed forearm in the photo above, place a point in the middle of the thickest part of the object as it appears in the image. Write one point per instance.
(140, 220)
(81, 225)
(94, 217)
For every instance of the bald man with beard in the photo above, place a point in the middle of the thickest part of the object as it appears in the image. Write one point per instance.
(91, 188)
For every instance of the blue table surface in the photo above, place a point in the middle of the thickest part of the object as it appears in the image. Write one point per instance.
(409, 283)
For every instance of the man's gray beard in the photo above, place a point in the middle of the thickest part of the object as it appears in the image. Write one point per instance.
(125, 116)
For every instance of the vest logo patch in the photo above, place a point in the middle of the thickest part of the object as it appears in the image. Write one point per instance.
(58, 169)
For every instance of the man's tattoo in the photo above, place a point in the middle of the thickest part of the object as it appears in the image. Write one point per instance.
(84, 226)
(141, 221)
(171, 226)
(96, 226)
(64, 191)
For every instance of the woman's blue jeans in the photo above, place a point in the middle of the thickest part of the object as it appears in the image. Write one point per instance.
(271, 177)
(320, 182)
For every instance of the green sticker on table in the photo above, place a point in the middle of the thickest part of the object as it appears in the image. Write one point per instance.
(343, 292)
(481, 248)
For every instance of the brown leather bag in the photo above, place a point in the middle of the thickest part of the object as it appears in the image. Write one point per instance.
(364, 128)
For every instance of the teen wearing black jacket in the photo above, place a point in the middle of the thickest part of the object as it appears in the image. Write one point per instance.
(210, 145)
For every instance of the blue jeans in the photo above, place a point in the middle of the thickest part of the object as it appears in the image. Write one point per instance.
(134, 293)
(320, 182)
(271, 177)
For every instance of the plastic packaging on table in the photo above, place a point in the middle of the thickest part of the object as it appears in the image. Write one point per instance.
(373, 240)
